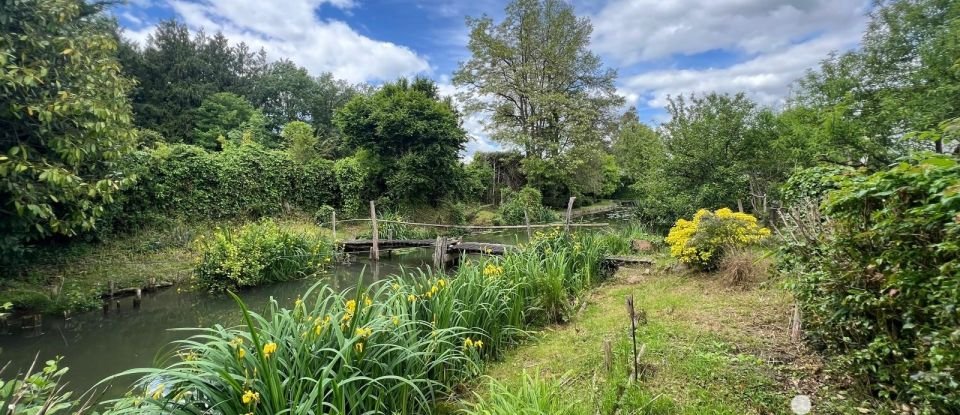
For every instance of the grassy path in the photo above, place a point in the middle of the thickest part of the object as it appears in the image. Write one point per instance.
(708, 349)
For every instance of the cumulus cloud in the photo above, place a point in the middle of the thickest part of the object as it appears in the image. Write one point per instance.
(292, 29)
(631, 31)
(765, 78)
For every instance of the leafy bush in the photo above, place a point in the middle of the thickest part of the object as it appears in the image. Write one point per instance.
(880, 288)
(258, 253)
(527, 200)
(244, 180)
(702, 241)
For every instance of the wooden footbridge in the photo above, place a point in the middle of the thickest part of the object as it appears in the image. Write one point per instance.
(447, 250)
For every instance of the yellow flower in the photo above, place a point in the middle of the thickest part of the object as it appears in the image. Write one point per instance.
(442, 283)
(359, 347)
(433, 290)
(237, 341)
(298, 302)
(351, 306)
(467, 343)
(478, 343)
(269, 349)
(364, 332)
(250, 397)
(411, 298)
(241, 353)
(367, 301)
(396, 321)
(396, 287)
(158, 393)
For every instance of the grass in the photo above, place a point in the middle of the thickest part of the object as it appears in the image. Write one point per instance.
(707, 349)
(72, 277)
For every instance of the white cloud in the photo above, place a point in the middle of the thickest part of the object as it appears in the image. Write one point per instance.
(631, 31)
(474, 124)
(291, 29)
(765, 78)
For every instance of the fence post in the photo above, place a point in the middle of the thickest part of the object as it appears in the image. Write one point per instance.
(526, 219)
(569, 212)
(631, 311)
(334, 220)
(375, 249)
(440, 253)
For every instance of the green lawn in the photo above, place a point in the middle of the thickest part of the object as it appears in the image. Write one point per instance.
(708, 349)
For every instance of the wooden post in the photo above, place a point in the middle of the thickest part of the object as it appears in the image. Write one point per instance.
(375, 249)
(631, 311)
(526, 219)
(607, 355)
(334, 221)
(569, 213)
(440, 253)
(113, 288)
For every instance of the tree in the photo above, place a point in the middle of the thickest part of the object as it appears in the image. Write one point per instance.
(65, 119)
(220, 114)
(636, 148)
(543, 89)
(300, 140)
(903, 79)
(176, 72)
(413, 133)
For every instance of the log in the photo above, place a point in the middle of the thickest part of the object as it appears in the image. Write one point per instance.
(569, 212)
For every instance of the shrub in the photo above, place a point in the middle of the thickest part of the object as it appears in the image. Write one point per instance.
(881, 289)
(258, 253)
(526, 200)
(702, 241)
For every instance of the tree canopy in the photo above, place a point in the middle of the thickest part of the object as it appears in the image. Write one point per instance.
(64, 121)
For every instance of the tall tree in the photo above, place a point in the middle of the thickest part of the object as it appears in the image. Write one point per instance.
(543, 89)
(415, 136)
(904, 78)
(65, 119)
(220, 114)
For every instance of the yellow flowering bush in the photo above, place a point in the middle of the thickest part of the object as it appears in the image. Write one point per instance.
(257, 253)
(701, 242)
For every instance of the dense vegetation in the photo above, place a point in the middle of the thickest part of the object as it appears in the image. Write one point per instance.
(857, 174)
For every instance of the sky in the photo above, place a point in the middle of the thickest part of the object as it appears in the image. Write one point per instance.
(660, 48)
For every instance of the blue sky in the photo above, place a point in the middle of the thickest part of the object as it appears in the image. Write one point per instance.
(659, 47)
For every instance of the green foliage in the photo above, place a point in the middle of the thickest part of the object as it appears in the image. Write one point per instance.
(534, 396)
(218, 116)
(65, 120)
(352, 179)
(242, 181)
(526, 200)
(399, 345)
(637, 150)
(414, 135)
(40, 393)
(177, 72)
(702, 242)
(558, 118)
(257, 254)
(301, 141)
(880, 287)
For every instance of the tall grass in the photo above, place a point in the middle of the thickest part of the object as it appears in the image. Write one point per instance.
(534, 396)
(396, 346)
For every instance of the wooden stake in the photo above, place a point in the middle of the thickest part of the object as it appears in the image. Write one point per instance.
(631, 311)
(607, 355)
(334, 221)
(569, 213)
(440, 253)
(526, 219)
(375, 250)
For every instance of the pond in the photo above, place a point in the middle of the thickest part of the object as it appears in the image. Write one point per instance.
(95, 345)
